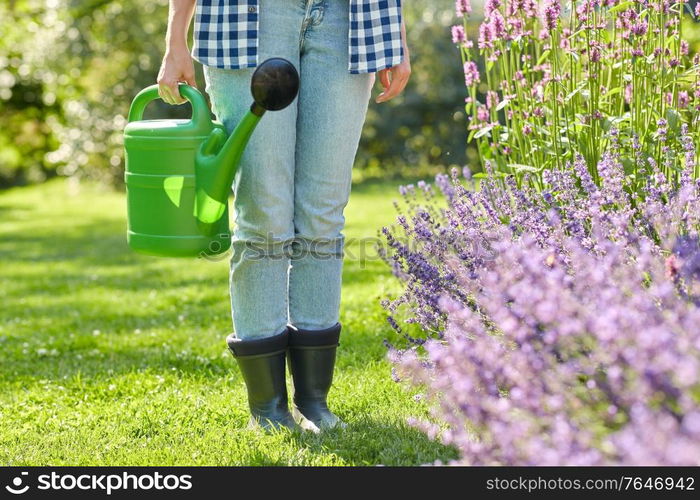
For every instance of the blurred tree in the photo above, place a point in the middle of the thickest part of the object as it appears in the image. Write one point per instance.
(70, 68)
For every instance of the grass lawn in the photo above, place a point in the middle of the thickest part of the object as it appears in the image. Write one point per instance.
(108, 357)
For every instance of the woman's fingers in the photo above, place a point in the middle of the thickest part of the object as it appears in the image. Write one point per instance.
(165, 94)
(175, 91)
(398, 81)
(191, 81)
(385, 78)
(175, 94)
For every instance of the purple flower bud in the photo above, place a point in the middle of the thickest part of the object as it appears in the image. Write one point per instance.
(463, 7)
(458, 35)
(498, 25)
(491, 6)
(640, 29)
(552, 10)
(486, 35)
(491, 99)
(471, 73)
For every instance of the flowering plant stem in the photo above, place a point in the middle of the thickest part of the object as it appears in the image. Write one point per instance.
(547, 82)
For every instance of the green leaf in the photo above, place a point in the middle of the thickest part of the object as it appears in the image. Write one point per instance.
(502, 104)
(523, 168)
(619, 119)
(689, 9)
(482, 132)
(485, 150)
(628, 165)
(621, 6)
(543, 57)
(575, 91)
(673, 119)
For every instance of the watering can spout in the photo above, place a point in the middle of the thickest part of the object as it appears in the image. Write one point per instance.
(274, 86)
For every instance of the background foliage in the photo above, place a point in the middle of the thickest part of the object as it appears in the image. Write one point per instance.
(69, 69)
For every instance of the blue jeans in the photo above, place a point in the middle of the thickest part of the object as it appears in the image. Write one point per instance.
(295, 174)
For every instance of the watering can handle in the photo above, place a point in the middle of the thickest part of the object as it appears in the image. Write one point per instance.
(200, 110)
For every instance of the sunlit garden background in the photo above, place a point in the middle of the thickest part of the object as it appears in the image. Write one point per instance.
(521, 285)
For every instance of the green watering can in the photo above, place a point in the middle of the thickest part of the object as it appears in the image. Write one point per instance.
(179, 172)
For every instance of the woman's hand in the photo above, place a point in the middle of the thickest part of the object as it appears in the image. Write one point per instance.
(177, 66)
(395, 78)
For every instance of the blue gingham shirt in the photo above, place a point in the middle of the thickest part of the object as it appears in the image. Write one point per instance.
(226, 34)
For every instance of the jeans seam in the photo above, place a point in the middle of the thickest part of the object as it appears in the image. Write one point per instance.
(305, 23)
(311, 6)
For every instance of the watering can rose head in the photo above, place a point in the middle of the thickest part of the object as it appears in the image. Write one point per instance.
(179, 172)
(275, 84)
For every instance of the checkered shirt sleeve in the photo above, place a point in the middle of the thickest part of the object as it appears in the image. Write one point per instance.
(375, 35)
(226, 34)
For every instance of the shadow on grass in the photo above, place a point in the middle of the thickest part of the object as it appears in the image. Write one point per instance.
(101, 241)
(370, 442)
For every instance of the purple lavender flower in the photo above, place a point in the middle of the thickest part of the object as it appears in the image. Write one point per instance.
(561, 327)
(661, 130)
(491, 99)
(550, 14)
(471, 73)
(640, 28)
(486, 35)
(458, 35)
(491, 6)
(684, 47)
(463, 7)
(498, 25)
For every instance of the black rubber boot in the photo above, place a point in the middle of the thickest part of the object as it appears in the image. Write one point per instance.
(262, 363)
(311, 362)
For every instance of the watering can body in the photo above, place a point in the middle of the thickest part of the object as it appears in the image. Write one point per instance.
(161, 181)
(179, 172)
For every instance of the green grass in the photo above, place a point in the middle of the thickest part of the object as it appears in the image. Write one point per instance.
(108, 357)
